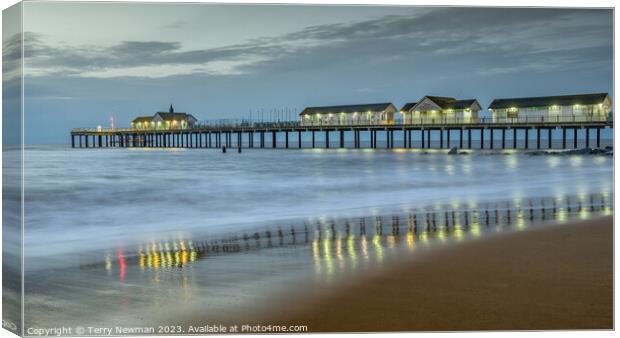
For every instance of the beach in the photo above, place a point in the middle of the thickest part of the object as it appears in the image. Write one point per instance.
(548, 278)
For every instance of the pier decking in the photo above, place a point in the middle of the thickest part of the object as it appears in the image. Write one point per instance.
(284, 135)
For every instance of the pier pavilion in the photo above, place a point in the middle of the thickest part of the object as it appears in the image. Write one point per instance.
(567, 108)
(164, 121)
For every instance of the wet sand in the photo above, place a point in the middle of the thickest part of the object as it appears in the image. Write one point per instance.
(555, 277)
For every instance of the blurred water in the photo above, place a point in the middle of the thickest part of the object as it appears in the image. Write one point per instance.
(138, 234)
(80, 200)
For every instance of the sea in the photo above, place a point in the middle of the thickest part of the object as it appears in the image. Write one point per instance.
(139, 237)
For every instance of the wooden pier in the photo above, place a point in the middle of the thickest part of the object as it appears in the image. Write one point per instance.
(490, 135)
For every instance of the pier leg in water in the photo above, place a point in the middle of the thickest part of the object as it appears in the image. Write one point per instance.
(527, 138)
(514, 138)
(224, 149)
(549, 138)
(428, 138)
(537, 138)
(422, 132)
(503, 138)
(441, 138)
(587, 137)
(286, 139)
(327, 139)
(491, 130)
(563, 138)
(461, 138)
(469, 138)
(481, 138)
(575, 138)
(598, 137)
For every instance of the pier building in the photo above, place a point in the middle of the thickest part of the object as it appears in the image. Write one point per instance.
(373, 113)
(440, 109)
(164, 121)
(566, 108)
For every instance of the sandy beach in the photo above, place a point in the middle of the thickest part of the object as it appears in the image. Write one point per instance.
(555, 277)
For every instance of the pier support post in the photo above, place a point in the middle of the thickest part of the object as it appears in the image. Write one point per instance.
(469, 138)
(428, 138)
(326, 138)
(481, 138)
(299, 139)
(313, 139)
(86, 137)
(448, 138)
(239, 139)
(461, 138)
(549, 138)
(563, 138)
(598, 137)
(404, 138)
(503, 138)
(286, 139)
(423, 140)
(527, 138)
(537, 138)
(391, 138)
(72, 141)
(274, 140)
(575, 138)
(341, 138)
(440, 138)
(492, 131)
(514, 138)
(587, 137)
(374, 139)
(409, 137)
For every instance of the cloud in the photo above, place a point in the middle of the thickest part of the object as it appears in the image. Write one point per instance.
(500, 40)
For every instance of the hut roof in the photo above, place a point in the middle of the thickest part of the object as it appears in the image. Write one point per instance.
(142, 119)
(178, 116)
(408, 106)
(348, 109)
(564, 100)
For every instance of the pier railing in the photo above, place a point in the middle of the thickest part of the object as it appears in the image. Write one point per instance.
(424, 121)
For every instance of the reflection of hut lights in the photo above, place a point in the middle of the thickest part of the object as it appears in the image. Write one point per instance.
(108, 262)
(142, 259)
(184, 257)
(170, 261)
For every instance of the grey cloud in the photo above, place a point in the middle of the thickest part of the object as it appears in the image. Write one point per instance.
(518, 38)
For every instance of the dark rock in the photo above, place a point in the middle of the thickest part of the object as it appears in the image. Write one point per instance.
(453, 151)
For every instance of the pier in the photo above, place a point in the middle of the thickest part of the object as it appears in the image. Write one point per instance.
(481, 134)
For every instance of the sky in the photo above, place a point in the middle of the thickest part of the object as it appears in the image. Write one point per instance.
(85, 62)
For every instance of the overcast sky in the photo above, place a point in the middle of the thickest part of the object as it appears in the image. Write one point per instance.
(86, 61)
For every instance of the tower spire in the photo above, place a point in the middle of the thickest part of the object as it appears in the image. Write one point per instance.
(171, 109)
